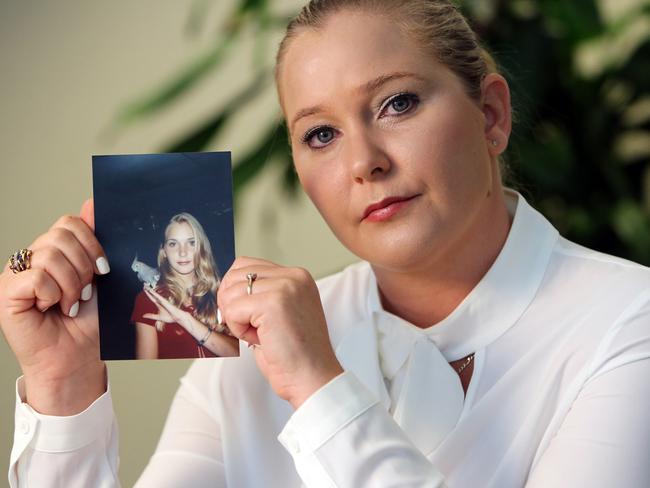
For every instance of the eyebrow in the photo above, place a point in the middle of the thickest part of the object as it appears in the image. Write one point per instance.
(369, 86)
(178, 240)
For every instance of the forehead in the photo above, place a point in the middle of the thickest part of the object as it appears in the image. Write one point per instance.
(179, 230)
(351, 48)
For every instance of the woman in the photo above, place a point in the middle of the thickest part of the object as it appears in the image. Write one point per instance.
(472, 346)
(179, 318)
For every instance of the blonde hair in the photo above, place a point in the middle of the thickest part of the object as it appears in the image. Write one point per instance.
(204, 293)
(436, 25)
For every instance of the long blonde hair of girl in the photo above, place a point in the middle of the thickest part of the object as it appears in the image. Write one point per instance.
(203, 294)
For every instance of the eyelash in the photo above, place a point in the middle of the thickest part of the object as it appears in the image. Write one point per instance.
(411, 97)
(172, 244)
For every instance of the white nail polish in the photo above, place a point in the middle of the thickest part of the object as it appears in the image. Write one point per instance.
(87, 292)
(74, 310)
(102, 265)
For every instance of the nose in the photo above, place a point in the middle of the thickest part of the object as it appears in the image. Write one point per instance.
(367, 158)
(182, 249)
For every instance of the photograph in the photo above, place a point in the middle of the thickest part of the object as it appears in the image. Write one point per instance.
(166, 221)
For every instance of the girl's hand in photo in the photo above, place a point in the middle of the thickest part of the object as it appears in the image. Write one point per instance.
(48, 315)
(280, 312)
(167, 312)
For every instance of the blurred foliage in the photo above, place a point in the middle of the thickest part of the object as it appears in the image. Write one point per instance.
(580, 79)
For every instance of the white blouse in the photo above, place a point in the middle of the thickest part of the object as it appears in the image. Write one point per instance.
(559, 396)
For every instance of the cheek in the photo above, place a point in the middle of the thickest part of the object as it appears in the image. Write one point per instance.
(451, 143)
(325, 186)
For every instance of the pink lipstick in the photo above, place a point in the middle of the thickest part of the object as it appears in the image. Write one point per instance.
(386, 208)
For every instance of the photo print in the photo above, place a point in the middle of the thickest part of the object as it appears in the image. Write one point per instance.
(165, 222)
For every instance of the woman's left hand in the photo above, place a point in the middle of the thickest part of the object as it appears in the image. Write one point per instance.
(167, 312)
(283, 316)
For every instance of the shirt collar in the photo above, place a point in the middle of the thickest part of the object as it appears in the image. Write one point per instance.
(500, 297)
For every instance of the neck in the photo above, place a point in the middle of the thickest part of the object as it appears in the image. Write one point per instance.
(189, 280)
(427, 295)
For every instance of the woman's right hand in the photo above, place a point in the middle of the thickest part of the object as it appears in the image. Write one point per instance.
(57, 349)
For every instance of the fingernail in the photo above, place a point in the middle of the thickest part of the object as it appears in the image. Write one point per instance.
(74, 310)
(102, 265)
(87, 292)
(45, 309)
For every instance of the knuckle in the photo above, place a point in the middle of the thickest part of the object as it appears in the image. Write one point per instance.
(61, 234)
(86, 270)
(303, 275)
(39, 278)
(49, 254)
(65, 220)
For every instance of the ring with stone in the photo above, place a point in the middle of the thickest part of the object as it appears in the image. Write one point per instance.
(20, 260)
(250, 278)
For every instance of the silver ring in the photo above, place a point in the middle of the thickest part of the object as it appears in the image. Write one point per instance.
(250, 278)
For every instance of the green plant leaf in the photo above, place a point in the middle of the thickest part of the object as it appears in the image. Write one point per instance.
(273, 144)
(183, 82)
(198, 139)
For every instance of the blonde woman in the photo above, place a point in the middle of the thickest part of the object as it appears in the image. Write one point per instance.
(471, 346)
(178, 319)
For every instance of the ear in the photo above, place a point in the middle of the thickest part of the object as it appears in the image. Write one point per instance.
(497, 111)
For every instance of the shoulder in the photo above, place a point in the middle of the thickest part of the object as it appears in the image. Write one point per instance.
(598, 272)
(606, 298)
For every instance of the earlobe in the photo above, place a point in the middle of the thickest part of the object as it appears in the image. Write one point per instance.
(497, 111)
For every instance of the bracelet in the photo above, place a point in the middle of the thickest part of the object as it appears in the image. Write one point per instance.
(205, 338)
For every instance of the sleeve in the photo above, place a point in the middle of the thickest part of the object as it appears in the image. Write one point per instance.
(76, 451)
(604, 440)
(342, 437)
(142, 306)
(189, 452)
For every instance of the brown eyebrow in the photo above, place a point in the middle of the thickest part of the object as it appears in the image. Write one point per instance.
(370, 86)
(176, 240)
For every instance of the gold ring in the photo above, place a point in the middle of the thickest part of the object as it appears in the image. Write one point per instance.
(250, 277)
(20, 260)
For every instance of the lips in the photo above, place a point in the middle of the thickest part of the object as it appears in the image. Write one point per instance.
(386, 208)
(183, 262)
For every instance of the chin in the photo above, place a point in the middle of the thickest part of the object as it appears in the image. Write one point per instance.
(404, 252)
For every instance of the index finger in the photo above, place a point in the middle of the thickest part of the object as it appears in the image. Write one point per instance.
(245, 261)
(87, 213)
(86, 237)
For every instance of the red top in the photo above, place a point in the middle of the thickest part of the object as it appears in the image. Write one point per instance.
(174, 341)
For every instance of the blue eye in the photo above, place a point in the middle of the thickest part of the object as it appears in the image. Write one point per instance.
(402, 103)
(322, 135)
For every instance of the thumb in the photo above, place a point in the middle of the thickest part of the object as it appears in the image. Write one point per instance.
(87, 213)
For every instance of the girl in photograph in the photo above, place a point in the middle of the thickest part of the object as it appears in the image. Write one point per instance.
(178, 319)
(470, 347)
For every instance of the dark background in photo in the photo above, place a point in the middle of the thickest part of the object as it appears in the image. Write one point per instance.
(135, 196)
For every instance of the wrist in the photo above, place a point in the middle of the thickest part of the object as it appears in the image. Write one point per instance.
(314, 383)
(67, 395)
(189, 323)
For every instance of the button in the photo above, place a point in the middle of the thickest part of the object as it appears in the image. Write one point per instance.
(24, 426)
